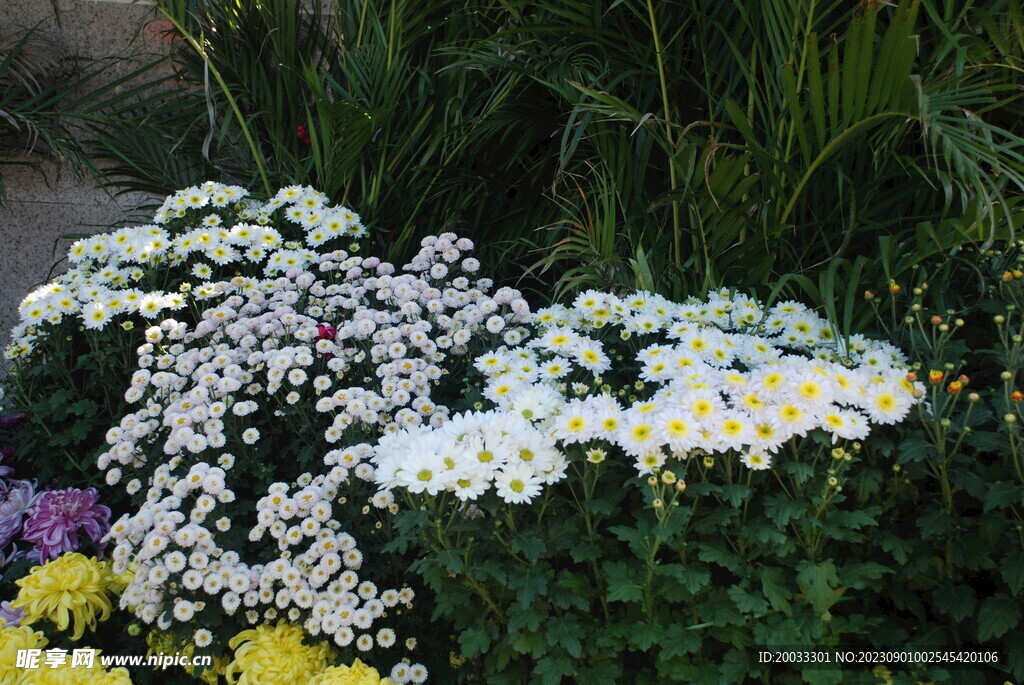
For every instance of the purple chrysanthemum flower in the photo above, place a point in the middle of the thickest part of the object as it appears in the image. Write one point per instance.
(53, 523)
(11, 616)
(16, 498)
(11, 421)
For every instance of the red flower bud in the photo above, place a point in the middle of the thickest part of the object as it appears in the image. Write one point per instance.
(936, 320)
(325, 332)
(955, 387)
(1017, 395)
(936, 376)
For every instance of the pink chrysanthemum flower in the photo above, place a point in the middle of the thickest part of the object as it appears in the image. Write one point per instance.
(53, 523)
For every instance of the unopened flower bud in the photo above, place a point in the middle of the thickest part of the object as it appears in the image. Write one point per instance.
(868, 295)
(1017, 395)
(936, 376)
(668, 478)
(1006, 376)
(915, 307)
(709, 461)
(833, 481)
(943, 327)
(652, 481)
(1006, 277)
(959, 323)
(918, 291)
(1010, 418)
(945, 423)
(999, 319)
(894, 288)
(936, 320)
(681, 486)
(658, 503)
(955, 387)
(838, 453)
(908, 319)
(973, 397)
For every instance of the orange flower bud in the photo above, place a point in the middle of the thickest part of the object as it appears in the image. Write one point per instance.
(911, 376)
(936, 376)
(955, 387)
(1007, 276)
(894, 288)
(936, 320)
(1017, 395)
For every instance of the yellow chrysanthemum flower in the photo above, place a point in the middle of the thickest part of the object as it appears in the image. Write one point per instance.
(271, 655)
(356, 674)
(12, 639)
(72, 586)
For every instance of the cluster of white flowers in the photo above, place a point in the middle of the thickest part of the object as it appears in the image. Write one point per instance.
(721, 375)
(468, 454)
(349, 350)
(199, 232)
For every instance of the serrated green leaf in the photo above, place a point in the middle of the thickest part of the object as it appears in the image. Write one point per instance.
(526, 618)
(691, 577)
(1002, 494)
(860, 575)
(622, 586)
(773, 586)
(678, 641)
(1012, 570)
(474, 641)
(567, 633)
(915, 448)
(935, 523)
(584, 551)
(643, 635)
(528, 584)
(781, 509)
(531, 643)
(818, 582)
(955, 601)
(997, 615)
(552, 667)
(530, 546)
(746, 601)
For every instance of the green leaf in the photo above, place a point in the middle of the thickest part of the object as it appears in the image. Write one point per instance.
(621, 582)
(955, 601)
(584, 551)
(894, 545)
(997, 615)
(528, 584)
(772, 584)
(1014, 652)
(678, 641)
(818, 582)
(552, 667)
(781, 509)
(643, 635)
(719, 554)
(474, 641)
(1012, 570)
(747, 602)
(1002, 494)
(859, 576)
(530, 546)
(526, 618)
(915, 448)
(691, 577)
(567, 633)
(935, 523)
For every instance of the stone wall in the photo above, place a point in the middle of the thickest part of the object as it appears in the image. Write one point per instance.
(45, 201)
